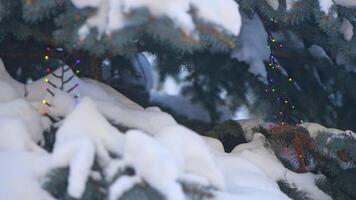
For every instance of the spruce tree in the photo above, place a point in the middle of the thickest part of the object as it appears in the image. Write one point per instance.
(308, 73)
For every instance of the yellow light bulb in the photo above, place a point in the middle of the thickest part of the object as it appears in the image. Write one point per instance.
(44, 101)
(46, 57)
(46, 80)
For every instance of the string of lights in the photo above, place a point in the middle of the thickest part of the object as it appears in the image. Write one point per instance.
(286, 104)
(50, 85)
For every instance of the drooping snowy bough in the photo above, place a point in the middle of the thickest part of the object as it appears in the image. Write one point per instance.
(157, 153)
(115, 15)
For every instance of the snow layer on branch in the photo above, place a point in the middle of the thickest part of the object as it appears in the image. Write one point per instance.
(112, 14)
(190, 149)
(325, 5)
(347, 29)
(175, 153)
(220, 12)
(84, 134)
(315, 129)
(154, 163)
(186, 107)
(149, 120)
(346, 3)
(248, 126)
(273, 3)
(21, 174)
(290, 3)
(253, 46)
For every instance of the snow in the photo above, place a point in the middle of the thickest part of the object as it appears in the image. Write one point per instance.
(241, 113)
(84, 3)
(153, 163)
(347, 29)
(315, 129)
(318, 52)
(256, 152)
(173, 154)
(248, 127)
(214, 144)
(62, 103)
(113, 14)
(36, 91)
(243, 179)
(14, 135)
(346, 3)
(142, 65)
(5, 77)
(8, 92)
(21, 175)
(147, 120)
(186, 107)
(325, 5)
(247, 194)
(162, 152)
(240, 174)
(253, 46)
(170, 86)
(192, 151)
(290, 3)
(122, 185)
(84, 134)
(21, 109)
(86, 87)
(112, 104)
(273, 3)
(220, 12)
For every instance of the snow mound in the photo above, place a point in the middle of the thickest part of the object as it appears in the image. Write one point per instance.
(214, 144)
(23, 110)
(256, 152)
(8, 92)
(14, 135)
(21, 175)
